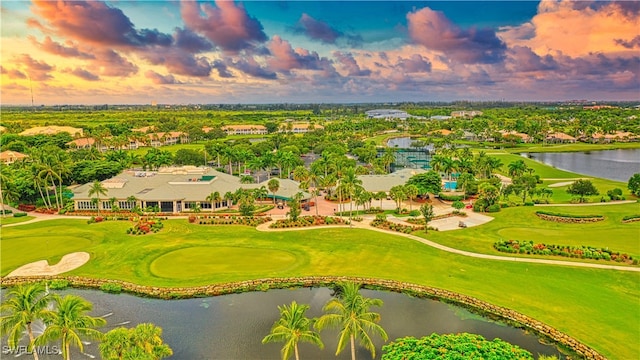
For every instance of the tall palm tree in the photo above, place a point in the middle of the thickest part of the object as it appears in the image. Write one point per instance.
(388, 158)
(214, 197)
(24, 304)
(291, 328)
(380, 195)
(70, 324)
(97, 189)
(350, 185)
(411, 191)
(273, 185)
(350, 313)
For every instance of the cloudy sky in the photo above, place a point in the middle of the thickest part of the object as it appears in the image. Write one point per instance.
(185, 52)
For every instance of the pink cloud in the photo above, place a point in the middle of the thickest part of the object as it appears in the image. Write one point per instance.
(55, 48)
(37, 70)
(317, 30)
(111, 63)
(285, 58)
(159, 79)
(83, 74)
(350, 64)
(228, 26)
(94, 22)
(13, 73)
(434, 31)
(415, 64)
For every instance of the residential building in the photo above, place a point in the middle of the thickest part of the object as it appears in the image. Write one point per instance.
(168, 138)
(522, 136)
(387, 114)
(376, 183)
(465, 113)
(559, 137)
(52, 130)
(9, 157)
(242, 129)
(299, 128)
(174, 190)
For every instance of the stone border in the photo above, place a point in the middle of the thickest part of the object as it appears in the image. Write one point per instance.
(631, 220)
(472, 303)
(567, 219)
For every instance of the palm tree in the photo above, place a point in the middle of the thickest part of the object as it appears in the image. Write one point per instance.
(388, 158)
(380, 195)
(273, 186)
(411, 191)
(350, 312)
(517, 168)
(214, 197)
(291, 328)
(142, 342)
(24, 304)
(397, 194)
(246, 179)
(260, 193)
(228, 197)
(97, 189)
(69, 323)
(350, 184)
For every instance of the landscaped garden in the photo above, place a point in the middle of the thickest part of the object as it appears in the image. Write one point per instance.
(573, 300)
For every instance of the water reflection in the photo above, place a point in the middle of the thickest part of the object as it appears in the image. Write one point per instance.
(232, 326)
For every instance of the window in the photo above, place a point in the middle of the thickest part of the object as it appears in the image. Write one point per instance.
(86, 205)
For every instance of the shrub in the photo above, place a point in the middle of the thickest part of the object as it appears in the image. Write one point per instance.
(5, 212)
(457, 205)
(528, 203)
(414, 213)
(493, 208)
(480, 205)
(580, 252)
(20, 214)
(615, 194)
(58, 284)
(454, 198)
(111, 288)
(573, 216)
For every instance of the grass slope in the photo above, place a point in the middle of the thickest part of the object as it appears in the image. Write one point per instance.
(521, 223)
(598, 307)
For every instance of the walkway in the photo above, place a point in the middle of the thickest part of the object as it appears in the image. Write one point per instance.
(365, 224)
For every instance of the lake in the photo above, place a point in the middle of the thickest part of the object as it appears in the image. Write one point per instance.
(617, 165)
(232, 326)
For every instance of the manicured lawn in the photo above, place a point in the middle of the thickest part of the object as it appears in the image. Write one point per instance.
(541, 169)
(6, 220)
(521, 223)
(599, 307)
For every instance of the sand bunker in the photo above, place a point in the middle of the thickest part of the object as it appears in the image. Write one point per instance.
(42, 267)
(560, 184)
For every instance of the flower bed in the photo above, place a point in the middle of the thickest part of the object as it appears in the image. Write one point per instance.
(579, 252)
(388, 225)
(420, 221)
(146, 226)
(630, 218)
(568, 218)
(305, 221)
(229, 220)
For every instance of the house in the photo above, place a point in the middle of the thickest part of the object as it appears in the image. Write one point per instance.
(81, 143)
(242, 130)
(299, 128)
(52, 130)
(440, 117)
(376, 183)
(387, 114)
(173, 190)
(9, 157)
(559, 137)
(441, 132)
(465, 114)
(168, 138)
(144, 129)
(618, 136)
(522, 136)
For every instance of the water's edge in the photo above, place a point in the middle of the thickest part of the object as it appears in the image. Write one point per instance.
(511, 317)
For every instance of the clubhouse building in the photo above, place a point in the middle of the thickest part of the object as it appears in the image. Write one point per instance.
(174, 190)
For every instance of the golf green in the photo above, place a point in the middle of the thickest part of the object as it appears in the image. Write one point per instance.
(197, 260)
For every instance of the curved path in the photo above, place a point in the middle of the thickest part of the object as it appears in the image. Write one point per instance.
(365, 224)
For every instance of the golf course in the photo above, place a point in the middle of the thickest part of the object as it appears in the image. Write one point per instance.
(592, 305)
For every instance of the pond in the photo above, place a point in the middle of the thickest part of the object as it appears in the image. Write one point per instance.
(617, 165)
(232, 326)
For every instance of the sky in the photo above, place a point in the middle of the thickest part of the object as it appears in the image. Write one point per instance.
(208, 52)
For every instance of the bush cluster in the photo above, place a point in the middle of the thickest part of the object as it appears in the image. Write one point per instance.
(446, 197)
(146, 226)
(573, 216)
(20, 214)
(630, 218)
(580, 252)
(111, 288)
(58, 284)
(305, 221)
(383, 223)
(229, 220)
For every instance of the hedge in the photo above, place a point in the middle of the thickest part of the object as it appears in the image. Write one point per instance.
(579, 252)
(573, 216)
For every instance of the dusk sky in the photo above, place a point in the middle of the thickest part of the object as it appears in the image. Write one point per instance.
(185, 52)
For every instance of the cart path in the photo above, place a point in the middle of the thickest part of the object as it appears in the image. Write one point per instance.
(365, 224)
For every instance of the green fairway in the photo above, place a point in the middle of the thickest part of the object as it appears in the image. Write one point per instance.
(14, 220)
(521, 223)
(193, 261)
(599, 307)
